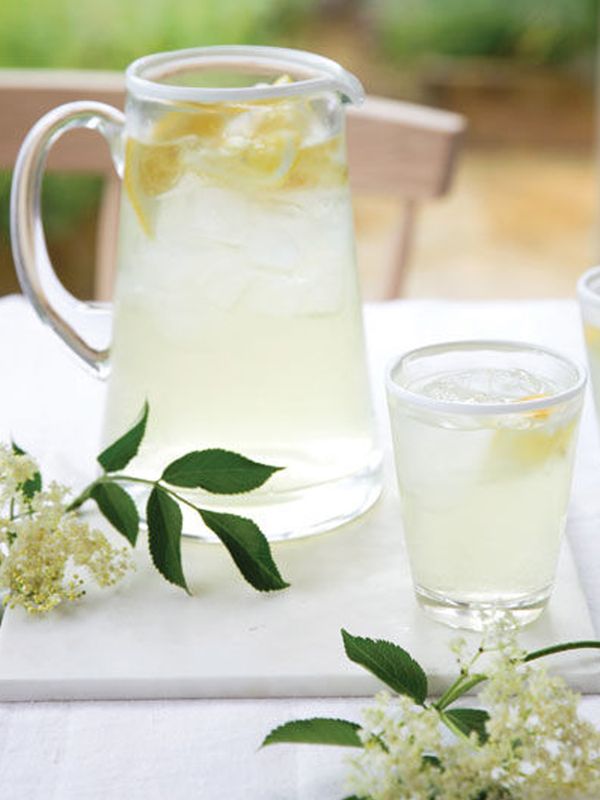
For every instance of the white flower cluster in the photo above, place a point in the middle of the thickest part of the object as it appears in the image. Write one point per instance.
(537, 748)
(42, 545)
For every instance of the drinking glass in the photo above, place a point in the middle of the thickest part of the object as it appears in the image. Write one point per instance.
(237, 312)
(588, 292)
(484, 436)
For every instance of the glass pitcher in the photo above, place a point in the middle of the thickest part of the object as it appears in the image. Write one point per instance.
(236, 312)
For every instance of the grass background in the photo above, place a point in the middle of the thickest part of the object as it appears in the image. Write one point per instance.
(528, 31)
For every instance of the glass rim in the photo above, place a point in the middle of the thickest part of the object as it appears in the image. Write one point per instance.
(586, 294)
(492, 409)
(142, 76)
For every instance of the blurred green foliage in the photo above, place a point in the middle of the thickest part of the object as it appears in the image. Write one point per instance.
(108, 34)
(533, 31)
(64, 197)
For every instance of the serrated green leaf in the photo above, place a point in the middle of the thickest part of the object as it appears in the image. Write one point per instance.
(248, 547)
(32, 486)
(117, 455)
(217, 471)
(163, 516)
(468, 720)
(318, 730)
(118, 508)
(390, 663)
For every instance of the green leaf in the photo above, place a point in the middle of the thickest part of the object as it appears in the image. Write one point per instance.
(388, 662)
(469, 719)
(164, 536)
(217, 471)
(248, 547)
(318, 730)
(119, 453)
(118, 508)
(33, 485)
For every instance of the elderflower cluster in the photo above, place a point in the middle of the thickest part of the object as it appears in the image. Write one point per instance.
(537, 747)
(43, 547)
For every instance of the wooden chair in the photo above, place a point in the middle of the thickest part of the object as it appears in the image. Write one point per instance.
(396, 149)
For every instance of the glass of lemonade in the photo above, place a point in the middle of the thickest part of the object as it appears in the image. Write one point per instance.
(484, 437)
(588, 292)
(237, 313)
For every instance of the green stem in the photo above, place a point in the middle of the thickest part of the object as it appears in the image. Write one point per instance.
(127, 479)
(15, 517)
(178, 497)
(464, 682)
(82, 497)
(167, 489)
(561, 648)
(448, 695)
(86, 493)
(460, 686)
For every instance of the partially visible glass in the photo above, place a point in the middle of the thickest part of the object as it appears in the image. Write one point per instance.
(588, 292)
(484, 438)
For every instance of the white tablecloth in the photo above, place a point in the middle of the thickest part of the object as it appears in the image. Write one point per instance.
(208, 749)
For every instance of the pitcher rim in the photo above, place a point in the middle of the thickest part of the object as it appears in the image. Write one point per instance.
(324, 75)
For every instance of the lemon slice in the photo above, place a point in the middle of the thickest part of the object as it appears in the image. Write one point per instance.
(271, 146)
(531, 447)
(153, 168)
(540, 413)
(150, 170)
(268, 159)
(201, 120)
(321, 164)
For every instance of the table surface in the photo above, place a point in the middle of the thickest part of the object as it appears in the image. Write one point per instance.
(186, 749)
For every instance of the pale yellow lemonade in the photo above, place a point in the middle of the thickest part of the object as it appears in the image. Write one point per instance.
(592, 341)
(238, 315)
(484, 498)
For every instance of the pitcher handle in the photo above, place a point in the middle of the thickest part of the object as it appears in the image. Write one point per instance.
(78, 323)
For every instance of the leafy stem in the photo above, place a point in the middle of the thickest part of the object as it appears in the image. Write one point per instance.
(86, 493)
(216, 471)
(402, 674)
(467, 681)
